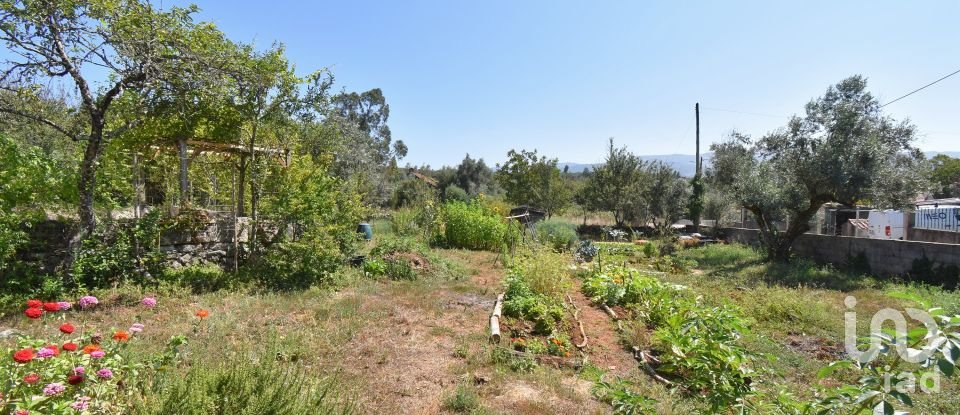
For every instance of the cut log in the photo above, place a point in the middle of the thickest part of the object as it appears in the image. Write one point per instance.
(495, 320)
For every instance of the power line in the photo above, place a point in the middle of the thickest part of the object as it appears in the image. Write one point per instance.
(744, 112)
(921, 88)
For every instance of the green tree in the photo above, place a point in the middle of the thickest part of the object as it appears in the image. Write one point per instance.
(529, 179)
(664, 197)
(474, 176)
(365, 153)
(842, 150)
(946, 176)
(616, 185)
(79, 40)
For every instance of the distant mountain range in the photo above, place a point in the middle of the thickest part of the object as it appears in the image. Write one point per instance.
(683, 163)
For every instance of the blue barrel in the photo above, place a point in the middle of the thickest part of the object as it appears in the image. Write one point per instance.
(365, 229)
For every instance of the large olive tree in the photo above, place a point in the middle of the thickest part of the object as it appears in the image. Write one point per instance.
(843, 149)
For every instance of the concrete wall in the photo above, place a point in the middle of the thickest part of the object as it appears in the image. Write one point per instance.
(886, 257)
(929, 235)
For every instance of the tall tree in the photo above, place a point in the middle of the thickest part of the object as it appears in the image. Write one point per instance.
(946, 176)
(615, 186)
(665, 194)
(534, 180)
(79, 40)
(473, 176)
(364, 150)
(842, 150)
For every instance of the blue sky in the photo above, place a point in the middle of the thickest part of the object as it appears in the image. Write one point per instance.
(563, 76)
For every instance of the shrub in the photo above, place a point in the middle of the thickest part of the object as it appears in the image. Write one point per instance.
(399, 269)
(243, 386)
(557, 234)
(296, 265)
(203, 278)
(374, 267)
(463, 400)
(405, 221)
(471, 226)
(110, 255)
(393, 244)
(454, 193)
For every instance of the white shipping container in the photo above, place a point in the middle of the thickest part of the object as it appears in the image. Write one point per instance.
(886, 224)
(939, 219)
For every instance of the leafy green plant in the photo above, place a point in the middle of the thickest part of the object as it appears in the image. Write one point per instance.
(699, 348)
(472, 226)
(586, 251)
(516, 362)
(374, 267)
(463, 400)
(263, 385)
(621, 396)
(557, 234)
(399, 269)
(886, 379)
(536, 284)
(521, 301)
(203, 278)
(119, 252)
(405, 221)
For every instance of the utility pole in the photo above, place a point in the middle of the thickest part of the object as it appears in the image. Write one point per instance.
(696, 110)
(697, 178)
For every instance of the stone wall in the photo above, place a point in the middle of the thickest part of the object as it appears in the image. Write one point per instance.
(886, 257)
(212, 244)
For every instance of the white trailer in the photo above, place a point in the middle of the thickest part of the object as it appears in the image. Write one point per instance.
(886, 224)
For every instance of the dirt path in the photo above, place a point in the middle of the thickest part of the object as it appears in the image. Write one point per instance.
(417, 341)
(604, 349)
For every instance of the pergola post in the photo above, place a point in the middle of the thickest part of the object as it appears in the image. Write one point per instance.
(182, 149)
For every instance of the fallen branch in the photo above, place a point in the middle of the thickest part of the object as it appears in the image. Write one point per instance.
(609, 311)
(495, 320)
(576, 317)
(645, 360)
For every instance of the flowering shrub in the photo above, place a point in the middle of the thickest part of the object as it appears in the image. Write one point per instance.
(57, 375)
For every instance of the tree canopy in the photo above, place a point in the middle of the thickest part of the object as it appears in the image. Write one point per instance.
(843, 149)
(529, 179)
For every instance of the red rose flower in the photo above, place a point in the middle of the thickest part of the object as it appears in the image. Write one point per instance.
(51, 307)
(67, 328)
(75, 379)
(33, 312)
(34, 304)
(31, 378)
(70, 347)
(23, 356)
